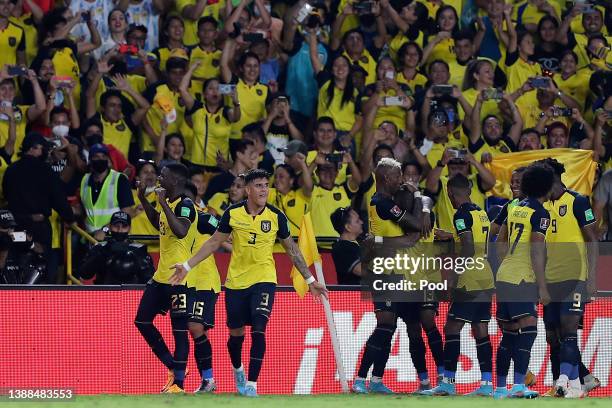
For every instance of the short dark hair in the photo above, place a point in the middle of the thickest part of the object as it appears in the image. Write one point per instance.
(412, 163)
(109, 94)
(209, 20)
(530, 130)
(58, 110)
(179, 170)
(136, 27)
(325, 119)
(288, 169)
(340, 218)
(380, 147)
(240, 146)
(537, 181)
(243, 58)
(256, 129)
(255, 174)
(459, 183)
(176, 63)
(174, 136)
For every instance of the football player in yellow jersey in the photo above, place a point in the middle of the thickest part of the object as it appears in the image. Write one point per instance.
(251, 278)
(521, 280)
(395, 227)
(177, 224)
(203, 287)
(471, 295)
(570, 276)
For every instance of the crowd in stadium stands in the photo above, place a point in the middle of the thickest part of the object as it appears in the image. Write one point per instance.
(97, 95)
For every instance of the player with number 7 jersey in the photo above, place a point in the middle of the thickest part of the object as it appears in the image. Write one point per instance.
(254, 226)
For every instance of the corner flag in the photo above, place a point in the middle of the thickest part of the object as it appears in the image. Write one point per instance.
(308, 247)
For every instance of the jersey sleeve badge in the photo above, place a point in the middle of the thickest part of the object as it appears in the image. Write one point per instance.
(563, 210)
(544, 222)
(460, 224)
(396, 211)
(588, 215)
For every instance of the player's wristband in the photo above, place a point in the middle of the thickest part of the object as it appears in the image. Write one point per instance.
(310, 280)
(186, 266)
(426, 210)
(378, 239)
(417, 194)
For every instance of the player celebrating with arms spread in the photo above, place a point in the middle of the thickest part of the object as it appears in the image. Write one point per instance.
(176, 225)
(251, 277)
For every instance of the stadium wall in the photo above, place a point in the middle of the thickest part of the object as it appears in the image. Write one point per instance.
(84, 339)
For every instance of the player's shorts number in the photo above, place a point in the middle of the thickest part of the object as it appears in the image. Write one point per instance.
(198, 308)
(253, 238)
(265, 299)
(179, 301)
(553, 224)
(577, 300)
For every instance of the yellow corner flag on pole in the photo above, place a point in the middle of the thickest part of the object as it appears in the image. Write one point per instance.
(308, 247)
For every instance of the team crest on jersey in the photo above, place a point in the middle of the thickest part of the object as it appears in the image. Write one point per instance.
(266, 226)
(121, 127)
(563, 210)
(12, 41)
(259, 92)
(544, 222)
(504, 149)
(337, 196)
(215, 62)
(217, 119)
(291, 203)
(396, 211)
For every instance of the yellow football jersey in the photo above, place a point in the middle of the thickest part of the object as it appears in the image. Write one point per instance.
(566, 250)
(471, 218)
(174, 250)
(525, 218)
(205, 275)
(253, 240)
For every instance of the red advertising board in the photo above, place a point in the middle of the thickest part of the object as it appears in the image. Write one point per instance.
(86, 340)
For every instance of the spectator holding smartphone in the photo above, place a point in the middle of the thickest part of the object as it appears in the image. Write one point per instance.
(117, 26)
(278, 126)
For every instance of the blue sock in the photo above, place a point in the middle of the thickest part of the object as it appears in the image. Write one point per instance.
(423, 376)
(179, 375)
(570, 356)
(575, 372)
(207, 374)
(449, 374)
(501, 381)
(519, 378)
(440, 370)
(487, 377)
(567, 368)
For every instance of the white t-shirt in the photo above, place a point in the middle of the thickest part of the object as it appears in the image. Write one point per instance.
(99, 10)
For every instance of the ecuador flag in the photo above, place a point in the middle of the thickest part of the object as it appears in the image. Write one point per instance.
(308, 247)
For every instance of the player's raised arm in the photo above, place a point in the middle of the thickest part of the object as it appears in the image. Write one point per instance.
(149, 210)
(178, 223)
(316, 288)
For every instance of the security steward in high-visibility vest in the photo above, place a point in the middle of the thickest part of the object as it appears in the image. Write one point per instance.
(104, 191)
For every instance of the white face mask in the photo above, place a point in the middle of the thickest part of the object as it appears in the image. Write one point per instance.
(60, 130)
(150, 189)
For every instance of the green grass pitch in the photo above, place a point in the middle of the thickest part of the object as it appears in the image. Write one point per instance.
(318, 401)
